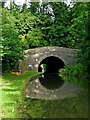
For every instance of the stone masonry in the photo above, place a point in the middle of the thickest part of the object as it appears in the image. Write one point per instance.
(36, 55)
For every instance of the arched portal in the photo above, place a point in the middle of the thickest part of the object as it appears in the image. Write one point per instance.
(53, 64)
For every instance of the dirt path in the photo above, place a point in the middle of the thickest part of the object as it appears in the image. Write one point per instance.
(7, 82)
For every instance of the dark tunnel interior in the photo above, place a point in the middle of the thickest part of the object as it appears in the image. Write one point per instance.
(53, 64)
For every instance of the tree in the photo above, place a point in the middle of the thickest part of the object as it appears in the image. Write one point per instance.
(19, 32)
(12, 50)
(60, 30)
(29, 32)
(80, 28)
(78, 22)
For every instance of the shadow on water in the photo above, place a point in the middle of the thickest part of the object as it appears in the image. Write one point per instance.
(51, 80)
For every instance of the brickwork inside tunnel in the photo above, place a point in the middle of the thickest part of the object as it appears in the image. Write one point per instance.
(53, 64)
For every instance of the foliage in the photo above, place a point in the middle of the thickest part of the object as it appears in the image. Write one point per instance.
(84, 55)
(73, 70)
(59, 33)
(69, 25)
(45, 24)
(80, 28)
(44, 67)
(11, 43)
(34, 27)
(79, 81)
(28, 30)
(84, 47)
(19, 32)
(79, 21)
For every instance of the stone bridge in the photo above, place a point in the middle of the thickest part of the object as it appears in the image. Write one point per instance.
(54, 57)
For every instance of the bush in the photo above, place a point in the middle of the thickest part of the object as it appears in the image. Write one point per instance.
(73, 70)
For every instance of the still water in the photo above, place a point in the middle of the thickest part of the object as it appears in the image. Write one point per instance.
(51, 86)
(50, 96)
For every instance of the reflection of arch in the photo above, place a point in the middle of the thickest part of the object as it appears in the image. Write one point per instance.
(51, 81)
(53, 64)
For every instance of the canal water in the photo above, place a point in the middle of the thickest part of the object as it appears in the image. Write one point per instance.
(50, 96)
(51, 86)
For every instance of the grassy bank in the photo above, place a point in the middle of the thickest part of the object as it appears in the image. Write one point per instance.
(11, 92)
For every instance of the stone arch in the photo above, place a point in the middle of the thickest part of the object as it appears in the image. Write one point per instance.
(53, 62)
(35, 56)
(45, 56)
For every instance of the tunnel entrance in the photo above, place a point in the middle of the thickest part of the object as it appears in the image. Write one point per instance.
(51, 65)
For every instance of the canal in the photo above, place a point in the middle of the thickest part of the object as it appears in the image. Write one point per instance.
(50, 96)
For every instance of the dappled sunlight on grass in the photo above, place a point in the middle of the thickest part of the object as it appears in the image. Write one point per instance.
(11, 92)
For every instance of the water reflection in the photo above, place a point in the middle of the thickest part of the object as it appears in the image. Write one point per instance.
(49, 102)
(51, 80)
(50, 87)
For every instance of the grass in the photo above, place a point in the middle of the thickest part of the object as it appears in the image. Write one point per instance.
(11, 92)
